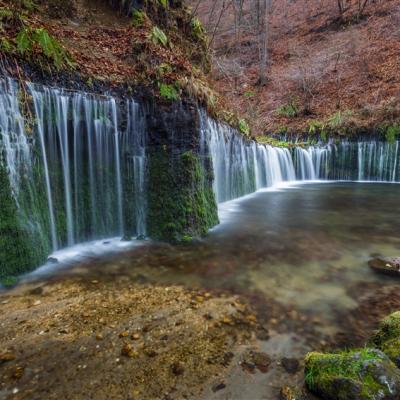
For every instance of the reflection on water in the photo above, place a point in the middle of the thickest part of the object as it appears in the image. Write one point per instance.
(304, 248)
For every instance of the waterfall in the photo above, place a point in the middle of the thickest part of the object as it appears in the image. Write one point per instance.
(359, 161)
(242, 166)
(77, 166)
(91, 167)
(15, 151)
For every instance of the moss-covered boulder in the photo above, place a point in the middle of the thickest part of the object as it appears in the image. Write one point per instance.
(387, 338)
(366, 374)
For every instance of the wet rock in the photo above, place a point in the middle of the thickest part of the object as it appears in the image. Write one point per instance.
(252, 360)
(386, 265)
(140, 237)
(52, 260)
(36, 291)
(355, 375)
(128, 351)
(262, 333)
(291, 365)
(292, 393)
(178, 368)
(6, 356)
(387, 338)
(219, 386)
(126, 238)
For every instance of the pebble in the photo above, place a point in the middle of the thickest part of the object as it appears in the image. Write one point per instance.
(135, 336)
(128, 351)
(99, 336)
(124, 334)
(7, 356)
(218, 386)
(291, 365)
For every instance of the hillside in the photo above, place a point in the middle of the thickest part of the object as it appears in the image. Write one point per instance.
(322, 70)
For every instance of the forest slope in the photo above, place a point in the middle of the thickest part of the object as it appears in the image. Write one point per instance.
(322, 70)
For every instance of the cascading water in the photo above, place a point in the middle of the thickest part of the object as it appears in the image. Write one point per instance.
(82, 173)
(93, 171)
(242, 166)
(363, 161)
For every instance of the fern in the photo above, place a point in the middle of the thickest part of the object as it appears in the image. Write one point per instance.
(168, 92)
(28, 40)
(138, 17)
(159, 37)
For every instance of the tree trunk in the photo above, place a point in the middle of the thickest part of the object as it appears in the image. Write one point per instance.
(264, 10)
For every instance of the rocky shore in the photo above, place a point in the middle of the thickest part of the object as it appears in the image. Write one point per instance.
(118, 340)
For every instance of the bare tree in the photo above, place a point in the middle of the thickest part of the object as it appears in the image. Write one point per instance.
(264, 9)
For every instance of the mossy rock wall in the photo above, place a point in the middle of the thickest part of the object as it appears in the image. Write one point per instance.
(181, 201)
(21, 247)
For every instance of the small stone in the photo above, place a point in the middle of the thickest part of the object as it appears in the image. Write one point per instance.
(200, 299)
(7, 356)
(291, 365)
(128, 351)
(18, 372)
(99, 336)
(262, 361)
(227, 320)
(36, 291)
(63, 330)
(124, 334)
(150, 353)
(178, 368)
(95, 281)
(135, 336)
(219, 386)
(37, 303)
(251, 318)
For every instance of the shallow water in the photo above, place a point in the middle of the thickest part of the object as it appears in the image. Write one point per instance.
(299, 253)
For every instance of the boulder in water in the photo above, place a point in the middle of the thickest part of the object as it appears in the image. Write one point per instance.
(386, 265)
(353, 375)
(52, 260)
(387, 338)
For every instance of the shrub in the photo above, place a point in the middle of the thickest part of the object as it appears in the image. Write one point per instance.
(289, 110)
(244, 127)
(392, 132)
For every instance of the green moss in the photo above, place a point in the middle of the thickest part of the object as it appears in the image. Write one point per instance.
(387, 338)
(9, 281)
(358, 374)
(21, 246)
(181, 202)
